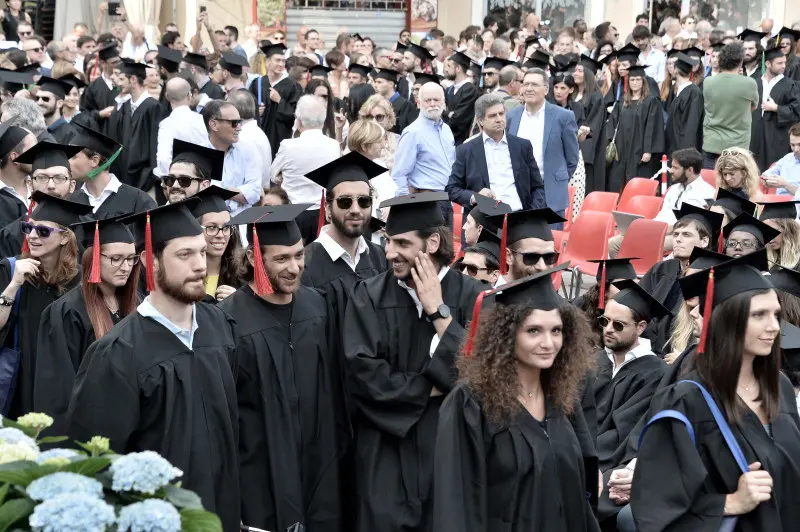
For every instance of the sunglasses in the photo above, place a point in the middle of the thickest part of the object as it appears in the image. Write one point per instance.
(41, 230)
(345, 202)
(472, 270)
(37, 49)
(377, 118)
(529, 259)
(489, 74)
(619, 326)
(234, 122)
(44, 99)
(183, 180)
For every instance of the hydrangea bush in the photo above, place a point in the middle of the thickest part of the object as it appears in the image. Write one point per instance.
(92, 489)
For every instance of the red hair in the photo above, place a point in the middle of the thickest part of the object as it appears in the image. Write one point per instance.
(99, 315)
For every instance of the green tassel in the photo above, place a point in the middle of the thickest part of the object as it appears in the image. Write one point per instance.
(105, 166)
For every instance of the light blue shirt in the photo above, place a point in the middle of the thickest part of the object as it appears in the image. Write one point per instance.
(425, 155)
(788, 167)
(147, 310)
(242, 171)
(655, 65)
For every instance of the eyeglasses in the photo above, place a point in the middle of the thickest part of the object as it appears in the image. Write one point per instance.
(345, 202)
(42, 230)
(183, 180)
(44, 179)
(529, 259)
(234, 122)
(116, 260)
(744, 244)
(619, 326)
(213, 230)
(472, 270)
(377, 118)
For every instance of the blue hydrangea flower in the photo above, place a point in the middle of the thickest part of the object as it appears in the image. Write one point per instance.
(75, 512)
(56, 453)
(50, 486)
(152, 515)
(12, 436)
(144, 472)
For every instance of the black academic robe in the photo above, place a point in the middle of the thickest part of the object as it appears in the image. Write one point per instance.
(213, 91)
(127, 200)
(144, 389)
(641, 130)
(278, 118)
(64, 132)
(460, 111)
(402, 86)
(33, 300)
(387, 349)
(681, 485)
(290, 439)
(756, 75)
(141, 142)
(11, 239)
(405, 112)
(523, 477)
(770, 131)
(661, 281)
(792, 68)
(594, 157)
(97, 96)
(11, 207)
(616, 91)
(685, 120)
(65, 333)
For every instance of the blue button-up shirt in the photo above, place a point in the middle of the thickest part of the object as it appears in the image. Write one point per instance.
(788, 167)
(425, 155)
(147, 310)
(242, 171)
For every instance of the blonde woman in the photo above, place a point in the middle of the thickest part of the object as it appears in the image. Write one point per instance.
(379, 109)
(737, 172)
(368, 138)
(784, 249)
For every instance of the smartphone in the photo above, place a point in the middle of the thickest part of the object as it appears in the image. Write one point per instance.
(202, 9)
(112, 7)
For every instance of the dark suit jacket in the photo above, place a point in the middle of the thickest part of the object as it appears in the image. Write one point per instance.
(470, 173)
(461, 111)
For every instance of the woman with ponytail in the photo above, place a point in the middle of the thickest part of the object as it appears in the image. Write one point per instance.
(107, 293)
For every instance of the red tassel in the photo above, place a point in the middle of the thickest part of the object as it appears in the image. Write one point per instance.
(691, 76)
(504, 246)
(94, 275)
(25, 247)
(322, 220)
(707, 309)
(601, 304)
(148, 255)
(263, 286)
(473, 326)
(721, 243)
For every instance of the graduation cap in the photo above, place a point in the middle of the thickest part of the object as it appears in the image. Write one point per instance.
(637, 299)
(414, 212)
(58, 210)
(538, 59)
(269, 226)
(31, 68)
(418, 51)
(73, 81)
(269, 49)
(376, 224)
(357, 36)
(475, 68)
(535, 291)
(15, 80)
(565, 62)
(748, 224)
(97, 233)
(92, 140)
(703, 259)
(684, 63)
(208, 161)
(720, 283)
(162, 224)
(636, 71)
(320, 71)
(695, 52)
(10, 137)
(717, 47)
(532, 223)
(787, 32)
(363, 71)
(486, 207)
(198, 60)
(46, 154)
(400, 47)
(233, 63)
(496, 62)
(423, 78)
(461, 59)
(58, 87)
(711, 220)
(751, 35)
(108, 51)
(351, 166)
(786, 280)
(489, 241)
(169, 58)
(387, 74)
(212, 199)
(612, 270)
(590, 64)
(129, 67)
(778, 209)
(733, 202)
(629, 52)
(772, 53)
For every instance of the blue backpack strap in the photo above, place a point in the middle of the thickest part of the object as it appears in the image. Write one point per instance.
(669, 414)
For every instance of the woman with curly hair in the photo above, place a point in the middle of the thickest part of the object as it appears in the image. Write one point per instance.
(784, 249)
(510, 437)
(737, 172)
(379, 109)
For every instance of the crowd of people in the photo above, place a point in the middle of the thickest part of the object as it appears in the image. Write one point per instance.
(245, 258)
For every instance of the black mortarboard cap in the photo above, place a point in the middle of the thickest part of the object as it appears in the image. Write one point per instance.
(168, 57)
(212, 199)
(703, 259)
(489, 241)
(95, 141)
(496, 62)
(414, 212)
(532, 223)
(129, 67)
(48, 155)
(757, 228)
(376, 224)
(109, 51)
(629, 52)
(59, 88)
(475, 68)
(73, 81)
(112, 231)
(208, 161)
(422, 77)
(486, 207)
(30, 68)
(637, 299)
(787, 32)
(15, 80)
(616, 269)
(772, 53)
(274, 225)
(58, 210)
(735, 276)
(198, 60)
(750, 35)
(461, 59)
(695, 52)
(565, 62)
(733, 202)
(779, 209)
(590, 64)
(718, 46)
(320, 71)
(535, 291)
(357, 36)
(233, 63)
(419, 51)
(786, 280)
(10, 136)
(351, 166)
(712, 221)
(636, 71)
(362, 70)
(387, 74)
(400, 47)
(168, 222)
(538, 59)
(685, 63)
(672, 53)
(269, 49)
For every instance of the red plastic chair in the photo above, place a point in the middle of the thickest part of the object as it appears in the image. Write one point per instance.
(560, 243)
(709, 176)
(638, 186)
(458, 212)
(765, 189)
(770, 198)
(645, 240)
(647, 206)
(568, 214)
(588, 240)
(599, 201)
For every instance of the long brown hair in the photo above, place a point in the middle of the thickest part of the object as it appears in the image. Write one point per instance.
(491, 369)
(96, 308)
(66, 263)
(721, 363)
(628, 96)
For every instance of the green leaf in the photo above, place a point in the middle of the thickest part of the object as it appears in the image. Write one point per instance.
(87, 466)
(31, 432)
(22, 472)
(14, 511)
(4, 492)
(182, 498)
(194, 520)
(51, 439)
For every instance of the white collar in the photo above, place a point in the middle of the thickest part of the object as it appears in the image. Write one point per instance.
(413, 293)
(535, 113)
(310, 132)
(145, 95)
(642, 349)
(112, 186)
(486, 138)
(13, 192)
(336, 251)
(457, 86)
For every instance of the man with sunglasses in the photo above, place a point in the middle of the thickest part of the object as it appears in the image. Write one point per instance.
(385, 82)
(50, 99)
(13, 19)
(482, 261)
(192, 169)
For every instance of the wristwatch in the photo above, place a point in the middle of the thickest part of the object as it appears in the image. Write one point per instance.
(6, 301)
(442, 312)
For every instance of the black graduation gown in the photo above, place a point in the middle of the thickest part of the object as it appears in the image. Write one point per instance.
(685, 120)
(33, 300)
(680, 485)
(524, 477)
(611, 95)
(594, 157)
(792, 67)
(460, 111)
(641, 130)
(127, 200)
(141, 142)
(144, 389)
(11, 239)
(213, 91)
(65, 333)
(278, 118)
(404, 89)
(63, 133)
(661, 281)
(11, 208)
(405, 112)
(387, 347)
(771, 131)
(97, 96)
(289, 440)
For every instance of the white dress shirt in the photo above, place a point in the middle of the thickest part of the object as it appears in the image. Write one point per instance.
(142, 97)
(696, 193)
(241, 172)
(768, 85)
(13, 191)
(252, 134)
(108, 81)
(298, 156)
(336, 252)
(135, 52)
(655, 64)
(531, 127)
(682, 86)
(182, 124)
(111, 188)
(501, 173)
(642, 349)
(418, 304)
